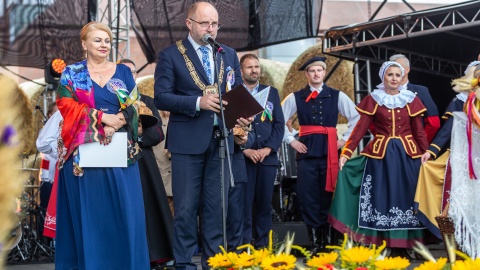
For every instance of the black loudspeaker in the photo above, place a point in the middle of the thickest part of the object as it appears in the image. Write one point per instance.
(300, 229)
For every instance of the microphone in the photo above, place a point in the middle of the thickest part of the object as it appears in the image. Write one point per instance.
(209, 39)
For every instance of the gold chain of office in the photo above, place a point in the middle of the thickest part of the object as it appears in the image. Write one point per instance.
(207, 89)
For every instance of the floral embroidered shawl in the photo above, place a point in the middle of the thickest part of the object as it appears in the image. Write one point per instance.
(82, 122)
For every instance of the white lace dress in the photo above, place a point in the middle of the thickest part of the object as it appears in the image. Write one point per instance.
(464, 196)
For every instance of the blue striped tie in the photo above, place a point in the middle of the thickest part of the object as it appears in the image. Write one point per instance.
(206, 63)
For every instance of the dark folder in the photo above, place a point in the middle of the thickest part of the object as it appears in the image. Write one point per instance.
(240, 104)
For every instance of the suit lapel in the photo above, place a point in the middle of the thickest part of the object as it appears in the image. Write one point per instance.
(192, 54)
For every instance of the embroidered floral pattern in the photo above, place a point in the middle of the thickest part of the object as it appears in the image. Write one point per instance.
(395, 219)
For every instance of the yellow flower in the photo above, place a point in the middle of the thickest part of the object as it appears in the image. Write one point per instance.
(392, 263)
(468, 264)
(461, 265)
(260, 255)
(476, 263)
(431, 265)
(219, 260)
(223, 260)
(281, 261)
(357, 254)
(244, 260)
(322, 259)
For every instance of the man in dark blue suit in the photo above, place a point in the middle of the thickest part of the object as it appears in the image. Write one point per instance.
(261, 157)
(431, 120)
(185, 85)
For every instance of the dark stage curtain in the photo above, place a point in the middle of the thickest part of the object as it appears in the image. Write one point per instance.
(36, 31)
(32, 32)
(245, 24)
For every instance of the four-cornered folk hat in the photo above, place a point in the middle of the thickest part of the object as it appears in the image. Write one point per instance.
(314, 61)
(146, 116)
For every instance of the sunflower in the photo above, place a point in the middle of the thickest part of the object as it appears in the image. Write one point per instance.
(430, 265)
(357, 255)
(322, 259)
(244, 260)
(281, 261)
(260, 255)
(468, 264)
(476, 263)
(392, 263)
(222, 260)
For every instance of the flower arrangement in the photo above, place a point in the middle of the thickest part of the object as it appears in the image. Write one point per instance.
(466, 263)
(254, 259)
(347, 256)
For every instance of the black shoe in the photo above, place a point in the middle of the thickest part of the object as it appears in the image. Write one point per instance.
(400, 252)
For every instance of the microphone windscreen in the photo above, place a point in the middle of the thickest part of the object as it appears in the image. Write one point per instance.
(206, 37)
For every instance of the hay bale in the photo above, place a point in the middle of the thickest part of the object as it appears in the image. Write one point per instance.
(273, 73)
(30, 96)
(145, 85)
(342, 79)
(10, 181)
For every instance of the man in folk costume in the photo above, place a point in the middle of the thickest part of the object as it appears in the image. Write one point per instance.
(317, 107)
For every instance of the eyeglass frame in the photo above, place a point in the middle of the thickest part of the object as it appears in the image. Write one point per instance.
(204, 24)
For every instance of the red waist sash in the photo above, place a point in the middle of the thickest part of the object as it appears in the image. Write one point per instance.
(332, 152)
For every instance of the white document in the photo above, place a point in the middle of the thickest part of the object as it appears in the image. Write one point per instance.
(262, 97)
(112, 155)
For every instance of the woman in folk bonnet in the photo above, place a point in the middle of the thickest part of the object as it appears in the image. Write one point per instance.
(379, 186)
(100, 214)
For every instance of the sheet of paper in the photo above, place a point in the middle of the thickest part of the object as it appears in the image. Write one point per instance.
(262, 97)
(111, 155)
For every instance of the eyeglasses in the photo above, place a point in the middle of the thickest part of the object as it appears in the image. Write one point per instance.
(134, 72)
(205, 25)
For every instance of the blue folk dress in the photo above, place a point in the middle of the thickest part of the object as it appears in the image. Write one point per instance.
(100, 215)
(374, 197)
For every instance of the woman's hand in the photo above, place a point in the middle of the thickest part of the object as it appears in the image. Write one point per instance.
(113, 120)
(122, 118)
(342, 162)
(108, 135)
(425, 157)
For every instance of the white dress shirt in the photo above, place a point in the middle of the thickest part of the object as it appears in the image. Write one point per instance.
(346, 107)
(47, 145)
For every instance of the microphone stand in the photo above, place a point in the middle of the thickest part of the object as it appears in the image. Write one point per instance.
(223, 148)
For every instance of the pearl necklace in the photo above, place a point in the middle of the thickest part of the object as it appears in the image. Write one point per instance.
(99, 72)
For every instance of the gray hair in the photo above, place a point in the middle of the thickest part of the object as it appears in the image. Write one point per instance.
(395, 57)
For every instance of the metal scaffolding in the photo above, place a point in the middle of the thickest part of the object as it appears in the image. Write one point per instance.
(374, 42)
(116, 14)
